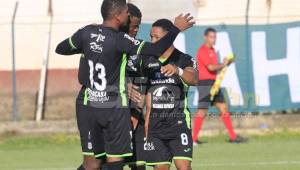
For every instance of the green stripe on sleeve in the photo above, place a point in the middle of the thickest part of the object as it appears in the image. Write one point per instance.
(71, 44)
(122, 87)
(140, 48)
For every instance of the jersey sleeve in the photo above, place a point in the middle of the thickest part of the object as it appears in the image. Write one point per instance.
(71, 45)
(130, 45)
(188, 61)
(202, 57)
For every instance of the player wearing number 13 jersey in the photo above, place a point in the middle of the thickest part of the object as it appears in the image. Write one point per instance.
(105, 49)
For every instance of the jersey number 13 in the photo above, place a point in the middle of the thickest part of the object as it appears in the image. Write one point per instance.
(100, 70)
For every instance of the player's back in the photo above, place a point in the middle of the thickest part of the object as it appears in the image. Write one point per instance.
(105, 81)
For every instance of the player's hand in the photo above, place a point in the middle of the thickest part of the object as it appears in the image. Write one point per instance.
(169, 70)
(183, 22)
(133, 93)
(226, 62)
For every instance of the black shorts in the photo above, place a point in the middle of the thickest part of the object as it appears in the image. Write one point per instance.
(138, 146)
(163, 151)
(82, 114)
(111, 126)
(204, 101)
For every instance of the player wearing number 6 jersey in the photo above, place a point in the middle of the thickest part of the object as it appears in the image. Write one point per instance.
(168, 124)
(105, 49)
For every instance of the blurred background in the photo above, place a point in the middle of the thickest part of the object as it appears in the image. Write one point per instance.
(262, 86)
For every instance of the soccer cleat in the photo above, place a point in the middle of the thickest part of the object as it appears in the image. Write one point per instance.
(198, 142)
(239, 139)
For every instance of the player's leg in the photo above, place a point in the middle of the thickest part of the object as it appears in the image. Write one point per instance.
(203, 105)
(182, 149)
(82, 115)
(182, 164)
(226, 118)
(157, 153)
(137, 160)
(162, 167)
(117, 136)
(198, 122)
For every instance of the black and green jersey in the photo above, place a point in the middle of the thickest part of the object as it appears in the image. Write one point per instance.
(105, 50)
(169, 109)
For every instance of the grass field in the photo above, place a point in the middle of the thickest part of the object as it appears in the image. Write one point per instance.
(280, 151)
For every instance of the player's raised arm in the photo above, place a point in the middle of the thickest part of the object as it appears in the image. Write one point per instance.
(131, 45)
(71, 45)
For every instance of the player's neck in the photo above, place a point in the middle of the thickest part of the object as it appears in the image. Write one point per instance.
(111, 24)
(168, 52)
(208, 45)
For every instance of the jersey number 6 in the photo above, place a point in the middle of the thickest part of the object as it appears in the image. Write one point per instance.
(100, 69)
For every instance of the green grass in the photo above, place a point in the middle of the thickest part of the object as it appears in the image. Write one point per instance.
(280, 151)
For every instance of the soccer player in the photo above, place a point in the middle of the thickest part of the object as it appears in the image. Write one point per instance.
(104, 90)
(168, 124)
(208, 67)
(135, 77)
(82, 121)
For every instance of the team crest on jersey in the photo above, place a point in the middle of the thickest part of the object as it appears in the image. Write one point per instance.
(163, 98)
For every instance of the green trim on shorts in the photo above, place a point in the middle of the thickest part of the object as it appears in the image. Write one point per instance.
(119, 156)
(88, 153)
(158, 163)
(183, 158)
(82, 56)
(140, 162)
(85, 99)
(71, 44)
(186, 110)
(100, 155)
(122, 87)
(137, 163)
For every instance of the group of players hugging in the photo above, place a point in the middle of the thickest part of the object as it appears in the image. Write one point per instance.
(132, 107)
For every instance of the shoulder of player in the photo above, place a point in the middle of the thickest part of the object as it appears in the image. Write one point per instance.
(183, 56)
(89, 27)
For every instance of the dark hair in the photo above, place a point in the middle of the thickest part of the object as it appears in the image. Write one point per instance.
(134, 10)
(165, 24)
(208, 30)
(112, 7)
